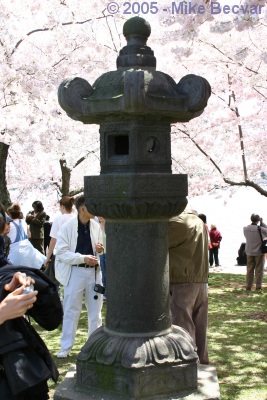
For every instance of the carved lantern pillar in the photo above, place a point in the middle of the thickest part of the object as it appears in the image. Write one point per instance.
(138, 353)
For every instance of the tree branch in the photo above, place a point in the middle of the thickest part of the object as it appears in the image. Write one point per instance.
(76, 191)
(240, 64)
(256, 90)
(57, 185)
(50, 29)
(202, 151)
(78, 162)
(77, 47)
(110, 32)
(28, 34)
(246, 182)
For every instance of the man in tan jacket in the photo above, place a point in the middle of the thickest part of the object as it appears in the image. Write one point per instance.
(189, 266)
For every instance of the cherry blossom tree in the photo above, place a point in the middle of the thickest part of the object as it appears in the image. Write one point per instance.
(226, 145)
(43, 43)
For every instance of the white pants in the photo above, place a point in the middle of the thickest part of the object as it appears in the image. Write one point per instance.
(82, 280)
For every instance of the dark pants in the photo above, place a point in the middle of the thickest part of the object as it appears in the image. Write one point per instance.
(38, 244)
(103, 270)
(50, 271)
(214, 256)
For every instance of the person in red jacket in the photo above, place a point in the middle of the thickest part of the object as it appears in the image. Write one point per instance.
(215, 239)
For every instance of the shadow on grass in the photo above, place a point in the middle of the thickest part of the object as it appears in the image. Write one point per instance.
(237, 342)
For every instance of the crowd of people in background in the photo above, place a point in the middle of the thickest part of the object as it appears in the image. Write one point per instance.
(71, 252)
(26, 364)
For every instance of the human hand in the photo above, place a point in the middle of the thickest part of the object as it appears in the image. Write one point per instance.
(19, 278)
(16, 304)
(46, 263)
(91, 260)
(99, 247)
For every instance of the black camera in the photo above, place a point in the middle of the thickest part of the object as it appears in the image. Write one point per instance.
(99, 289)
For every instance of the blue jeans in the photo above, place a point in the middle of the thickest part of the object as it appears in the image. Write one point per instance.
(103, 269)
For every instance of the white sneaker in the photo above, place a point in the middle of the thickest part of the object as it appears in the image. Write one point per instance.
(63, 353)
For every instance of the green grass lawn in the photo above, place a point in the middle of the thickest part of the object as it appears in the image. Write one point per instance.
(237, 337)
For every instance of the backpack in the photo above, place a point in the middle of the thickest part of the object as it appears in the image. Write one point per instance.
(242, 257)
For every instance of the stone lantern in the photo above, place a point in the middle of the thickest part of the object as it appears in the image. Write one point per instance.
(138, 353)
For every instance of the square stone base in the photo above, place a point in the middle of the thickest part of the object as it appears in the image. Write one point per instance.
(138, 383)
(208, 388)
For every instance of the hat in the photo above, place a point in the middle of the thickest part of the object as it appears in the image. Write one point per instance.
(8, 219)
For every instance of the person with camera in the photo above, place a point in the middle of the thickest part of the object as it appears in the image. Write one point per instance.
(77, 269)
(255, 258)
(14, 305)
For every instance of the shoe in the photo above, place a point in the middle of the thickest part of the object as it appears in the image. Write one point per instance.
(63, 353)
(217, 265)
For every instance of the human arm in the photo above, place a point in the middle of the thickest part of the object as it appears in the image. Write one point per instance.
(263, 232)
(66, 246)
(39, 220)
(16, 304)
(176, 231)
(262, 224)
(99, 248)
(53, 240)
(101, 237)
(29, 217)
(51, 248)
(215, 237)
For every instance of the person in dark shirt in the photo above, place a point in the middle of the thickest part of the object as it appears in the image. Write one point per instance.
(47, 229)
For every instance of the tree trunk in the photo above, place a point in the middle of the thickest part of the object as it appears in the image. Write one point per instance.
(65, 173)
(4, 193)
